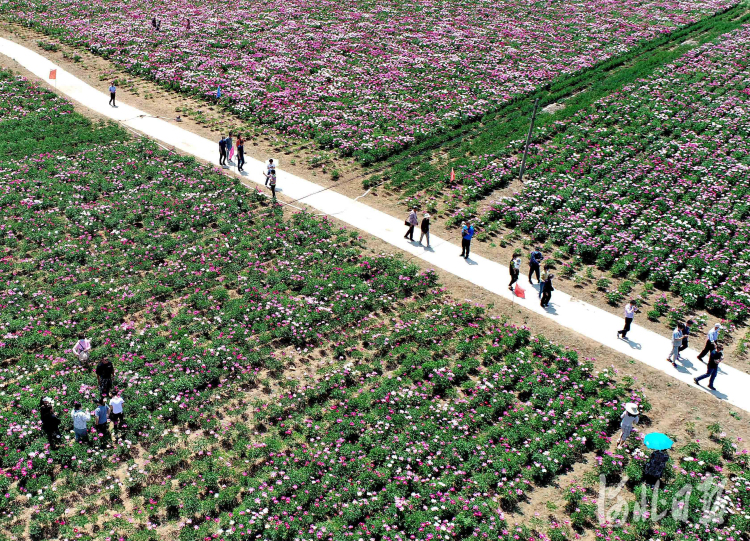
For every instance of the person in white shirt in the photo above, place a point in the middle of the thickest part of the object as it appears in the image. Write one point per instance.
(80, 422)
(629, 418)
(711, 339)
(677, 335)
(270, 169)
(630, 309)
(117, 414)
(515, 270)
(82, 348)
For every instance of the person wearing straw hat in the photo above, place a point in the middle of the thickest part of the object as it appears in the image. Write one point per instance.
(629, 418)
(425, 227)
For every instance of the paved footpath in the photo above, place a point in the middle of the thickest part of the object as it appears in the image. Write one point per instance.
(599, 325)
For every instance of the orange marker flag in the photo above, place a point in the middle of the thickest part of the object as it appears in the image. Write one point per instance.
(520, 292)
(53, 74)
(453, 175)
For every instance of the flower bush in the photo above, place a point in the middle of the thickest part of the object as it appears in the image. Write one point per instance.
(651, 182)
(366, 79)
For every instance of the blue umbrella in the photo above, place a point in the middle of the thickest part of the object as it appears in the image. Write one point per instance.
(657, 441)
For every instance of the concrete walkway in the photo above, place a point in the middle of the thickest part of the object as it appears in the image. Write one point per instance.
(643, 345)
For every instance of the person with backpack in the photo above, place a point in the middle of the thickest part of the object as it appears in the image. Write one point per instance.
(80, 423)
(467, 233)
(514, 267)
(425, 227)
(82, 348)
(50, 422)
(411, 221)
(535, 259)
(223, 151)
(714, 359)
(105, 372)
(547, 290)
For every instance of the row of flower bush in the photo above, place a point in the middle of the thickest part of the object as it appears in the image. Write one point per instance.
(367, 80)
(650, 182)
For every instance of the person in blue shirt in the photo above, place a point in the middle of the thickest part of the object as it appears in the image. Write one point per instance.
(714, 358)
(467, 233)
(535, 259)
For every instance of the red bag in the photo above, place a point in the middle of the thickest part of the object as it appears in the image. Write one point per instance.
(520, 292)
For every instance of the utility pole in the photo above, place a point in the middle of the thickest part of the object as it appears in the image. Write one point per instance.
(528, 140)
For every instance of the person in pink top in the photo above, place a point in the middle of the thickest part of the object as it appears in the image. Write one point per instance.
(630, 309)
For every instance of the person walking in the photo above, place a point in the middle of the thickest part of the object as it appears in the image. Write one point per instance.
(514, 267)
(272, 183)
(240, 152)
(714, 359)
(118, 414)
(711, 340)
(535, 259)
(630, 309)
(411, 221)
(270, 168)
(50, 422)
(677, 335)
(686, 334)
(466, 236)
(425, 227)
(112, 92)
(82, 348)
(230, 148)
(628, 418)
(80, 423)
(545, 275)
(101, 414)
(105, 371)
(547, 290)
(223, 151)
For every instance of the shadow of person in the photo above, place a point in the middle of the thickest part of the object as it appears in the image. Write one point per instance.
(470, 261)
(634, 345)
(429, 249)
(718, 394)
(550, 308)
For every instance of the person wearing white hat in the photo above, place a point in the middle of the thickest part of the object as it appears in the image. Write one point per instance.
(425, 227)
(629, 418)
(711, 339)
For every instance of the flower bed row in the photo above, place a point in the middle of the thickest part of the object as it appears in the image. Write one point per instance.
(367, 80)
(650, 182)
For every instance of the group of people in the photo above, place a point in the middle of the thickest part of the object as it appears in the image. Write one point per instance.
(657, 462)
(226, 150)
(413, 220)
(680, 337)
(544, 278)
(103, 411)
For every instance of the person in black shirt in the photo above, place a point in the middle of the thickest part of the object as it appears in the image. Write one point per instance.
(50, 422)
(223, 151)
(714, 359)
(105, 371)
(686, 334)
(547, 290)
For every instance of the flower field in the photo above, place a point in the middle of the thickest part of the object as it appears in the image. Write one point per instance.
(367, 79)
(651, 182)
(413, 406)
